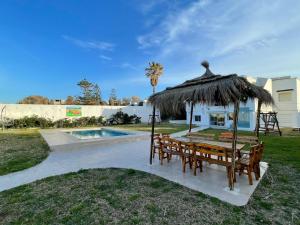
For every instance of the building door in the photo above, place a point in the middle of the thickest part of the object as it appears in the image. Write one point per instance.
(217, 119)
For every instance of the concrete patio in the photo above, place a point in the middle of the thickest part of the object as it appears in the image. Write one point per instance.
(133, 154)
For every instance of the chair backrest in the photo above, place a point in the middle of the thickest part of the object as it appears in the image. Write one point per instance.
(203, 136)
(227, 136)
(187, 147)
(156, 138)
(253, 155)
(260, 151)
(212, 150)
(164, 140)
(174, 144)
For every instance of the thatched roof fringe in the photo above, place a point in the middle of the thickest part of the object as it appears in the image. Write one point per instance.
(212, 90)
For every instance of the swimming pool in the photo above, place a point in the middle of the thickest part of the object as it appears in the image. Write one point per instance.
(99, 133)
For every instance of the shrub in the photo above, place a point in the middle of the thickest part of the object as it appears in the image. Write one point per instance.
(124, 118)
(63, 123)
(40, 122)
(80, 122)
(31, 121)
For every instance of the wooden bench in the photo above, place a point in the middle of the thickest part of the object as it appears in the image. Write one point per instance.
(170, 147)
(213, 155)
(202, 136)
(227, 137)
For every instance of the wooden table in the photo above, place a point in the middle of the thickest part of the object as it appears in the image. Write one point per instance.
(227, 145)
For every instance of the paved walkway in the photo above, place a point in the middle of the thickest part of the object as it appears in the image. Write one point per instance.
(135, 155)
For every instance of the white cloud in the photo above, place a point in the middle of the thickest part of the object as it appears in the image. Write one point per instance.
(229, 25)
(98, 45)
(127, 65)
(104, 57)
(173, 26)
(149, 5)
(233, 35)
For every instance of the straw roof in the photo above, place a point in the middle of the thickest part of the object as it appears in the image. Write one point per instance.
(209, 89)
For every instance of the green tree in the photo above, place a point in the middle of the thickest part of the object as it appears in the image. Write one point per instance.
(154, 71)
(97, 95)
(87, 92)
(91, 94)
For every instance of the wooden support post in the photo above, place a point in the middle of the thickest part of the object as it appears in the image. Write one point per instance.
(258, 117)
(191, 115)
(152, 134)
(234, 138)
(2, 118)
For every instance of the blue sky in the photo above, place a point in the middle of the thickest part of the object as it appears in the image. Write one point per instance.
(46, 47)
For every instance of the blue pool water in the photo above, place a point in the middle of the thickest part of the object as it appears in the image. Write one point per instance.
(87, 134)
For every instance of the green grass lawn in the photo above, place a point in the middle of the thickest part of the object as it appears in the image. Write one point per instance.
(165, 128)
(119, 196)
(21, 149)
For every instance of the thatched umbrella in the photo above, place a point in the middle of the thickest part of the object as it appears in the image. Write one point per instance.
(211, 89)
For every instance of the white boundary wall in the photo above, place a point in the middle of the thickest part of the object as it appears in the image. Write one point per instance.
(56, 112)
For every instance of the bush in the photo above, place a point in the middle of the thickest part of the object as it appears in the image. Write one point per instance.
(31, 122)
(40, 122)
(64, 123)
(124, 118)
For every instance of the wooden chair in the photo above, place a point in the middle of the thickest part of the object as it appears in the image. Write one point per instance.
(156, 145)
(175, 148)
(165, 149)
(211, 154)
(246, 163)
(165, 135)
(170, 147)
(258, 158)
(187, 149)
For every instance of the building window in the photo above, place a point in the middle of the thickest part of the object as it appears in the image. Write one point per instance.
(230, 116)
(285, 96)
(217, 119)
(244, 118)
(198, 118)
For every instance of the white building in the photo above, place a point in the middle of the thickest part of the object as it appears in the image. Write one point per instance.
(286, 94)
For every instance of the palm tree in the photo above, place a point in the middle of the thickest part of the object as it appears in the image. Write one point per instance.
(154, 71)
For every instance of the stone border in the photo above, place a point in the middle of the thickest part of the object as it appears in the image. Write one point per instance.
(58, 139)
